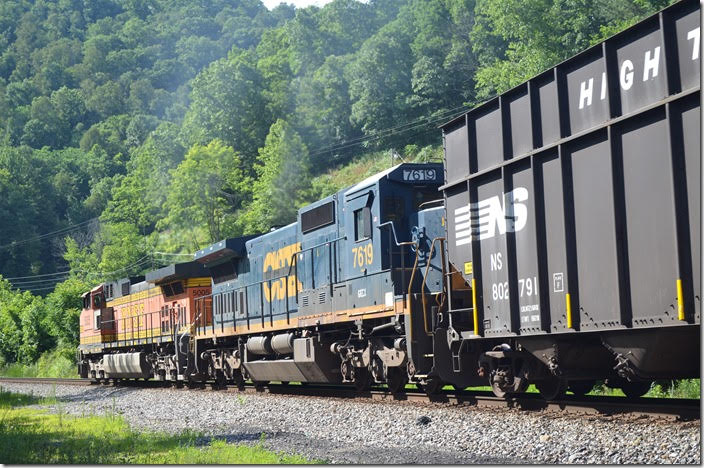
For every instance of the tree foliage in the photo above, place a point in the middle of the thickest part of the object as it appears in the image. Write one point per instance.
(282, 175)
(207, 188)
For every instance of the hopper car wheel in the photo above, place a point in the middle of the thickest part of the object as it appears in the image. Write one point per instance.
(635, 389)
(260, 384)
(552, 388)
(396, 379)
(581, 387)
(362, 379)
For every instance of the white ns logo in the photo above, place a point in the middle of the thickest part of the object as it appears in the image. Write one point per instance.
(484, 217)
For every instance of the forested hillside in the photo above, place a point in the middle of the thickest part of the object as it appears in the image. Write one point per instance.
(136, 131)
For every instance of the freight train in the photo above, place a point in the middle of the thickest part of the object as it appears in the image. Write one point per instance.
(558, 244)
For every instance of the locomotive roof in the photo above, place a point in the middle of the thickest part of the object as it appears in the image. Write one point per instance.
(177, 271)
(227, 248)
(400, 173)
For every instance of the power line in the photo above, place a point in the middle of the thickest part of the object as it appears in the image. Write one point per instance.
(66, 273)
(39, 276)
(59, 232)
(174, 254)
(385, 132)
(49, 280)
(37, 285)
(39, 289)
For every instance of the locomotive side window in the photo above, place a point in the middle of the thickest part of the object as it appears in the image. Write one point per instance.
(177, 288)
(223, 272)
(96, 320)
(393, 208)
(425, 196)
(362, 224)
(96, 301)
(172, 289)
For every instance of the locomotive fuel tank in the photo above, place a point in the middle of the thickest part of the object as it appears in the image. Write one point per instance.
(126, 365)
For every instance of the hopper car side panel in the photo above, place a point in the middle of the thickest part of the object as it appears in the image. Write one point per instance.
(585, 216)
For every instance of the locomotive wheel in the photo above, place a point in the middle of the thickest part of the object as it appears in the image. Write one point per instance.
(635, 389)
(581, 387)
(432, 386)
(396, 379)
(362, 379)
(551, 389)
(238, 379)
(220, 381)
(497, 390)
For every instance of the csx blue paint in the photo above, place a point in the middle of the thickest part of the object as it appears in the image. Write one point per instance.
(341, 255)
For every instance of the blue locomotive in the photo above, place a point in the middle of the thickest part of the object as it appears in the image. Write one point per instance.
(329, 297)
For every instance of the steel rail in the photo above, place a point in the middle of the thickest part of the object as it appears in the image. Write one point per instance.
(668, 408)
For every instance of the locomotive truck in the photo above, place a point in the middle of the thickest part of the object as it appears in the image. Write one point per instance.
(558, 244)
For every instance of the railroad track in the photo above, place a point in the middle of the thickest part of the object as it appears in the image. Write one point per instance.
(667, 408)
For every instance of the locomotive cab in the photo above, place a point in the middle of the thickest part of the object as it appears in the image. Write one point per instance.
(96, 317)
(96, 325)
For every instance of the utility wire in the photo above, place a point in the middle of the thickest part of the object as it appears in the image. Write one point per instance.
(36, 285)
(39, 276)
(385, 132)
(59, 232)
(174, 254)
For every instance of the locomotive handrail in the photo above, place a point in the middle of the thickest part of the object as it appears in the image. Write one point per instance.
(430, 202)
(393, 231)
(425, 278)
(328, 243)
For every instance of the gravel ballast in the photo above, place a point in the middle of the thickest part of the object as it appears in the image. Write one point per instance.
(344, 431)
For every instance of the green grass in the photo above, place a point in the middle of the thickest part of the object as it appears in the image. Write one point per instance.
(57, 363)
(30, 435)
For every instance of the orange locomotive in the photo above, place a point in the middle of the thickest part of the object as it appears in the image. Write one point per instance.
(130, 328)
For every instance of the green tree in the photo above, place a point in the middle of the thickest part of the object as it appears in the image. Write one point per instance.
(64, 311)
(227, 104)
(124, 251)
(206, 190)
(323, 108)
(282, 180)
(380, 78)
